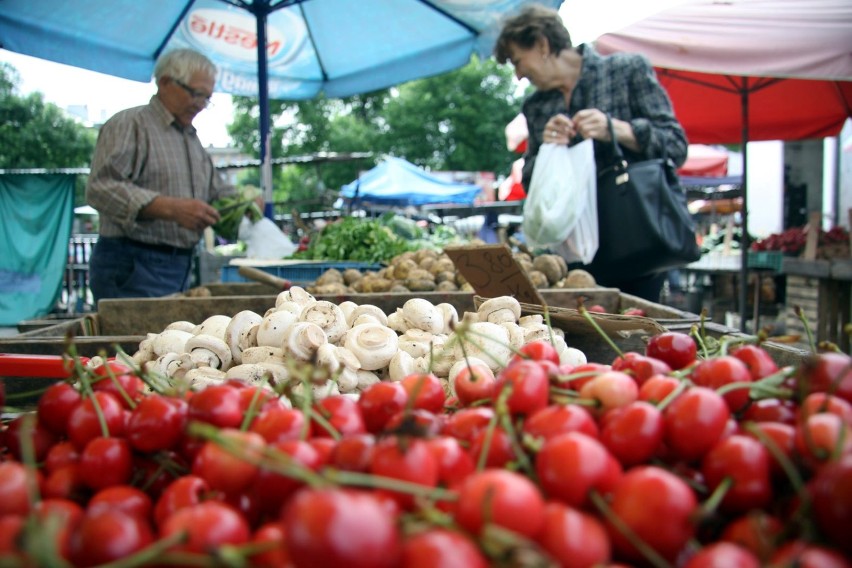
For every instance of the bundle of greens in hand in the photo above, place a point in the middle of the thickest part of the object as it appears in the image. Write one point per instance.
(233, 208)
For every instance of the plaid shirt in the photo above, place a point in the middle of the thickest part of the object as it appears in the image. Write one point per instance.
(624, 86)
(141, 153)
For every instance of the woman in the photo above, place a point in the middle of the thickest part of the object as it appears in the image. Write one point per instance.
(576, 88)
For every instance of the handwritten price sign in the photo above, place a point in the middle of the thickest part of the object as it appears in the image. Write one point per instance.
(493, 271)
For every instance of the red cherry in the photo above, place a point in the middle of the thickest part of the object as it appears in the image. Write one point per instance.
(677, 349)
(528, 386)
(208, 526)
(56, 405)
(435, 547)
(502, 497)
(379, 402)
(426, 390)
(326, 527)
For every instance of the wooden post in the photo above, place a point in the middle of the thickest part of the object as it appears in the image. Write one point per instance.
(814, 226)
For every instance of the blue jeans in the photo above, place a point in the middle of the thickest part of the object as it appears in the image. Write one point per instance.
(122, 268)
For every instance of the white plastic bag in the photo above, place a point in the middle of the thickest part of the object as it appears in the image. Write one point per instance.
(265, 240)
(560, 211)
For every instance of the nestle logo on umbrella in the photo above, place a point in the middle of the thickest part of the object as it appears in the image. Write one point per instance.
(233, 34)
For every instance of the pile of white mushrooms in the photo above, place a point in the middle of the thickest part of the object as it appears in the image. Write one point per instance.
(356, 345)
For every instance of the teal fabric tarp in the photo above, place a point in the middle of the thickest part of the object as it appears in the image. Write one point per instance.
(36, 212)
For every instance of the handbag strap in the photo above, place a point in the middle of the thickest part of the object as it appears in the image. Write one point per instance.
(619, 163)
(616, 149)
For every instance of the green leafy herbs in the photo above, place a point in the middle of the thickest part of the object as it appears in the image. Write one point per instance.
(372, 240)
(233, 208)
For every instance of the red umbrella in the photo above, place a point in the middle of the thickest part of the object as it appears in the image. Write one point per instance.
(743, 70)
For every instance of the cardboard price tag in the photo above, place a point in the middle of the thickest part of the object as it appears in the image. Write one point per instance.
(493, 271)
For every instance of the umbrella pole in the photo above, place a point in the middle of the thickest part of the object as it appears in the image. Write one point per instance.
(744, 239)
(261, 10)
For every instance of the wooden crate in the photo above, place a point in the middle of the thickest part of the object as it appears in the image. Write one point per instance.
(822, 290)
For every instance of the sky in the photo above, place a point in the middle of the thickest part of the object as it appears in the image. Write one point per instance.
(104, 95)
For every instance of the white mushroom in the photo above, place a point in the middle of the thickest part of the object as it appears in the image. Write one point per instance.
(181, 325)
(451, 316)
(374, 345)
(172, 365)
(145, 352)
(302, 340)
(292, 307)
(170, 341)
(484, 340)
(328, 317)
(264, 354)
(347, 307)
(500, 309)
(517, 337)
(214, 325)
(368, 318)
(423, 314)
(369, 310)
(318, 391)
(396, 322)
(400, 366)
(531, 320)
(274, 326)
(259, 373)
(209, 351)
(239, 330)
(572, 356)
(201, 377)
(295, 294)
(416, 342)
(367, 378)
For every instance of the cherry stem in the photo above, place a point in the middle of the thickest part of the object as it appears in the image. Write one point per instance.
(158, 551)
(482, 459)
(517, 449)
(86, 384)
(800, 313)
(789, 469)
(372, 481)
(251, 412)
(28, 457)
(324, 424)
(121, 390)
(653, 557)
(699, 338)
(684, 383)
(585, 313)
(709, 506)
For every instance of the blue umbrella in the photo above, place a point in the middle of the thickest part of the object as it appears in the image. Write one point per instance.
(336, 47)
(399, 182)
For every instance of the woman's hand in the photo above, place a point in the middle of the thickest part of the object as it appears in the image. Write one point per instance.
(591, 123)
(558, 130)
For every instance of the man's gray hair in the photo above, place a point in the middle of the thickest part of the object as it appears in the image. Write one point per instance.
(182, 64)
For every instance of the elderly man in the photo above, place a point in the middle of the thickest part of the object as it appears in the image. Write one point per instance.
(152, 183)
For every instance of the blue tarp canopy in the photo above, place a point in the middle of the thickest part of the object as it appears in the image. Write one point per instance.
(399, 182)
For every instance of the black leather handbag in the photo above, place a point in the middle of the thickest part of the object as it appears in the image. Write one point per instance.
(643, 222)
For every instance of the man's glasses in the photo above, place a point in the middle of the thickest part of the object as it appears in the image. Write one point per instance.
(197, 95)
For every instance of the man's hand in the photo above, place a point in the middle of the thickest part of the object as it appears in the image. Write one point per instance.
(192, 214)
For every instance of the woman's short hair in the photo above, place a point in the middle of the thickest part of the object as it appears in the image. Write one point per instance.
(529, 25)
(182, 64)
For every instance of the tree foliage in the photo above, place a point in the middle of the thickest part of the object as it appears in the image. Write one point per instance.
(36, 134)
(454, 121)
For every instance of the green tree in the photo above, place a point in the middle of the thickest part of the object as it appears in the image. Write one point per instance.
(36, 134)
(454, 121)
